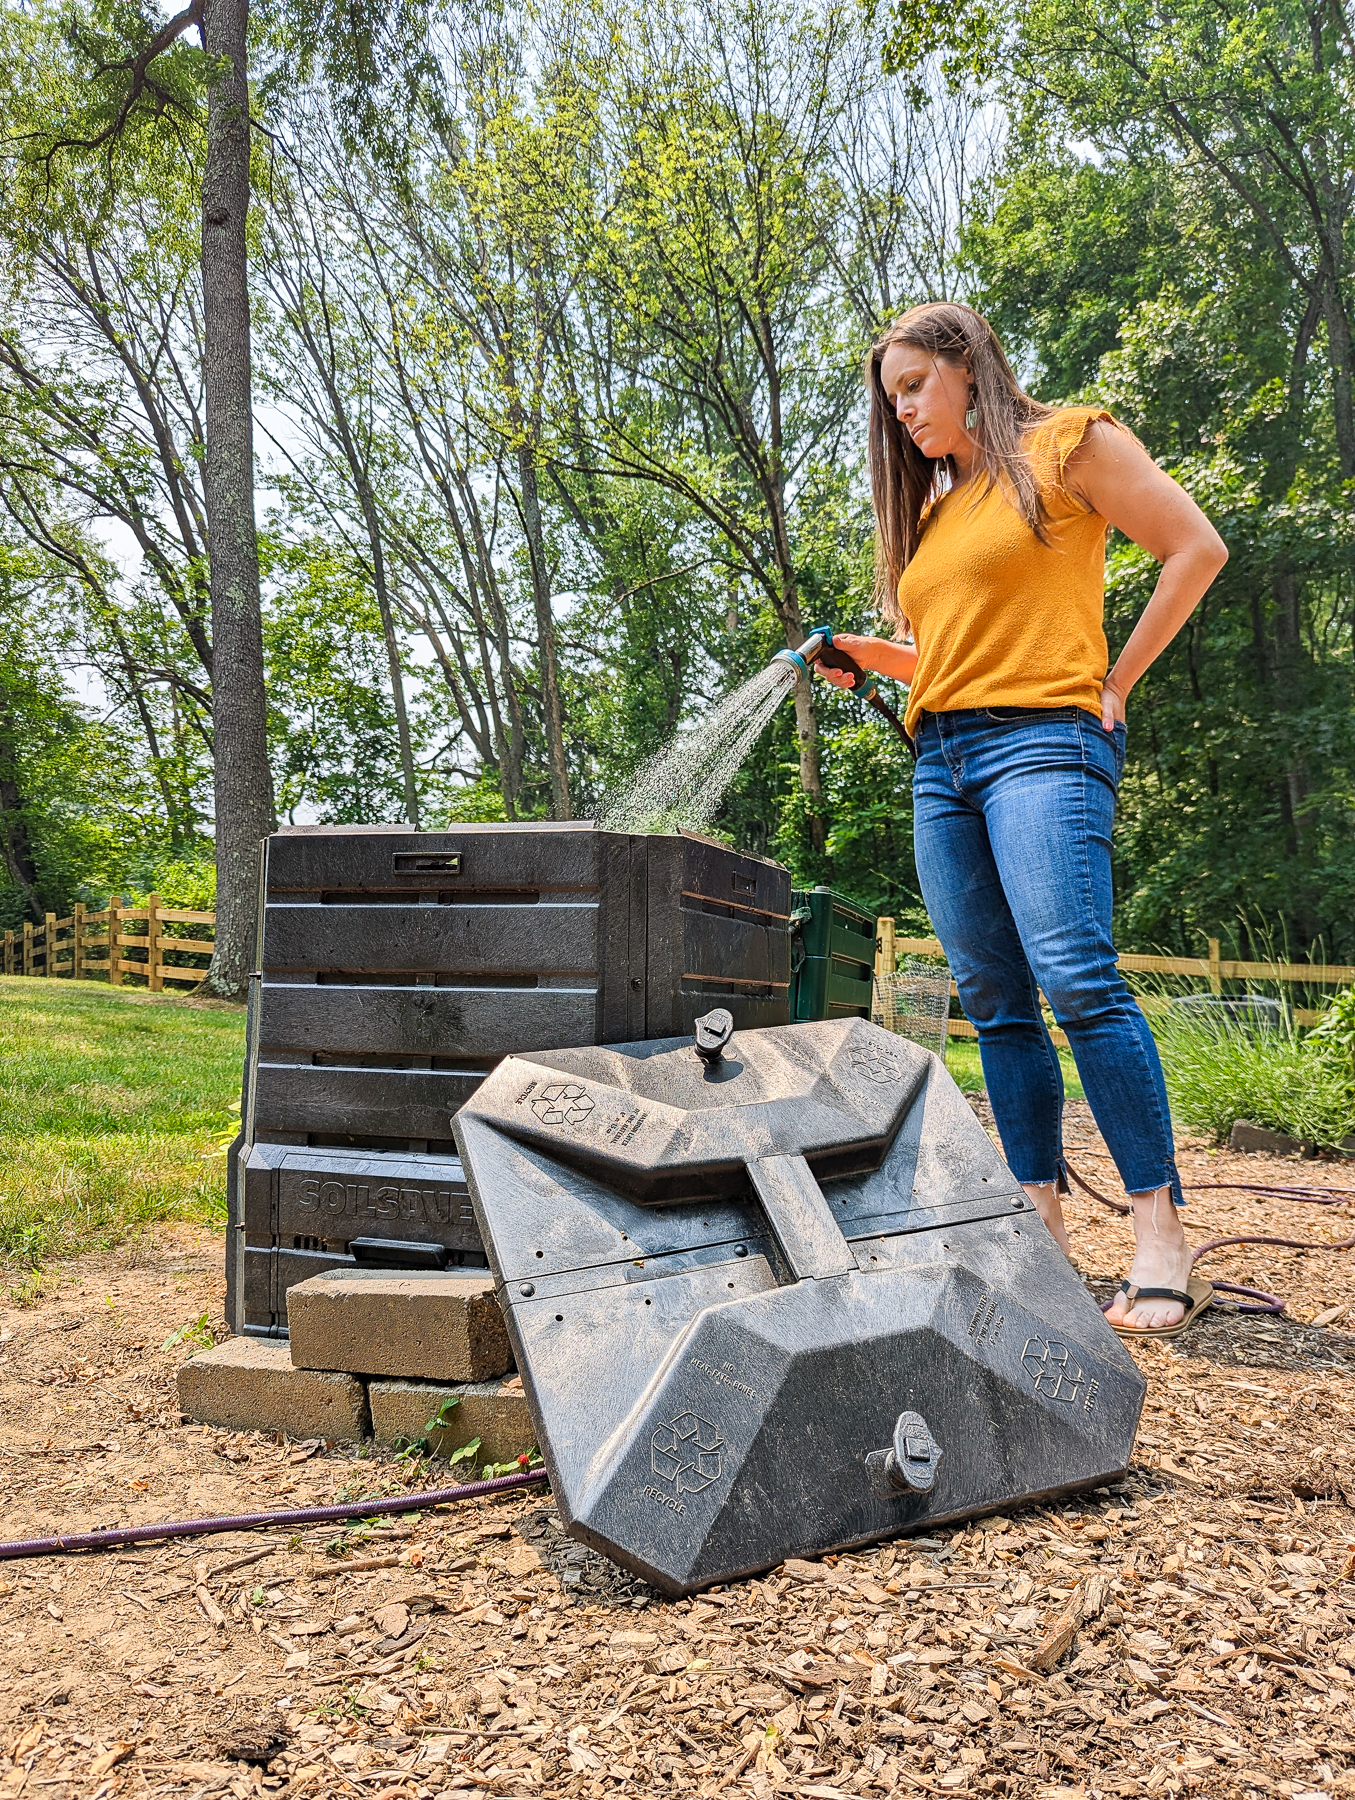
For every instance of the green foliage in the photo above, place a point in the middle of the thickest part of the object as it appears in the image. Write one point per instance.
(197, 1333)
(964, 37)
(477, 803)
(190, 885)
(870, 846)
(530, 1459)
(1285, 1080)
(73, 806)
(333, 739)
(1066, 251)
(1335, 1032)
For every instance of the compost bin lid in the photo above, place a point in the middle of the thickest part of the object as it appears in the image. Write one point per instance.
(659, 1123)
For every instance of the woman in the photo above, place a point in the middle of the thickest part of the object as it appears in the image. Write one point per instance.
(992, 512)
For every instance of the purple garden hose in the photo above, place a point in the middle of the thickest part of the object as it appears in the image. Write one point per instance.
(1257, 1299)
(1259, 1302)
(304, 1515)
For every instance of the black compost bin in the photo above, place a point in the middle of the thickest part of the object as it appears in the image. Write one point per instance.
(781, 1303)
(398, 968)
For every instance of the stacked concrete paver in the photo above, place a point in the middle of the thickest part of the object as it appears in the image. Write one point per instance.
(384, 1353)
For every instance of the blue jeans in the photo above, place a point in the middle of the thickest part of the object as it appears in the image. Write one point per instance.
(1012, 812)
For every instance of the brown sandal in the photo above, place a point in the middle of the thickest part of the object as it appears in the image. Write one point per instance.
(1197, 1299)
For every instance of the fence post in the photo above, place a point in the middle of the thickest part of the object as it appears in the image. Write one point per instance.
(885, 957)
(49, 937)
(1215, 972)
(114, 948)
(28, 946)
(155, 973)
(9, 953)
(78, 942)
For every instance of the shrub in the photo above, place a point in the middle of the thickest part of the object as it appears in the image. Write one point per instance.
(1286, 1080)
(1335, 1031)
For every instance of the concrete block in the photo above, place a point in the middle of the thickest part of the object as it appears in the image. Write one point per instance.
(1249, 1137)
(488, 1410)
(249, 1384)
(431, 1325)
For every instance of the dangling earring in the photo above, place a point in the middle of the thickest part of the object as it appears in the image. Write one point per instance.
(971, 417)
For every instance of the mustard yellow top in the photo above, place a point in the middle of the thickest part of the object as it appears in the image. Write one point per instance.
(1000, 619)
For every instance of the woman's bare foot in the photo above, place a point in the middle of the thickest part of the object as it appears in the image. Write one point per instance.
(1045, 1195)
(1162, 1260)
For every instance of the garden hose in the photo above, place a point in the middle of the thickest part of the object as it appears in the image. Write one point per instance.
(1257, 1299)
(304, 1515)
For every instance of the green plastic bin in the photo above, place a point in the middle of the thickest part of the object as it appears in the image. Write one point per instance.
(832, 957)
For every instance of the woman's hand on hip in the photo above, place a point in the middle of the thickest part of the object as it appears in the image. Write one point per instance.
(1112, 705)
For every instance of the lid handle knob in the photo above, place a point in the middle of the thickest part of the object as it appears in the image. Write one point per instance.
(713, 1032)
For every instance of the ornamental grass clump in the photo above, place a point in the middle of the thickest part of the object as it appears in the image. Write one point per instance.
(1289, 1080)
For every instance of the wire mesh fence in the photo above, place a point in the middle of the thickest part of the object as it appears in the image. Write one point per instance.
(914, 1002)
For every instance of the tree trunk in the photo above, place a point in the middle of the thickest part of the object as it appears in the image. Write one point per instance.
(551, 709)
(792, 620)
(244, 789)
(807, 735)
(15, 845)
(373, 524)
(1340, 357)
(806, 714)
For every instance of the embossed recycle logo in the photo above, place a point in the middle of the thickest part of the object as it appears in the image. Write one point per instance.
(876, 1065)
(1056, 1372)
(687, 1453)
(562, 1103)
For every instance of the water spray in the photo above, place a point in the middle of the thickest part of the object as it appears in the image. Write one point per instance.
(681, 786)
(819, 648)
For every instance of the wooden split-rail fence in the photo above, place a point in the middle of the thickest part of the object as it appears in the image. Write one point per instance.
(121, 944)
(1215, 968)
(125, 944)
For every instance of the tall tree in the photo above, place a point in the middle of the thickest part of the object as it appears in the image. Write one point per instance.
(1262, 101)
(244, 789)
(333, 392)
(135, 81)
(716, 278)
(132, 73)
(412, 448)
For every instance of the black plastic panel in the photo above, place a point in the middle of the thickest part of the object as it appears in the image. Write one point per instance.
(776, 1258)
(398, 968)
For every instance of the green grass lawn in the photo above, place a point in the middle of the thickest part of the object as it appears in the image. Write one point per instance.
(115, 1109)
(962, 1059)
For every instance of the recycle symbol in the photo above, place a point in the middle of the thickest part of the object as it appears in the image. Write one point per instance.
(686, 1453)
(876, 1065)
(1056, 1372)
(563, 1103)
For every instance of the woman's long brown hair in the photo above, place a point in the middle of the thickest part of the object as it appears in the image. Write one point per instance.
(902, 479)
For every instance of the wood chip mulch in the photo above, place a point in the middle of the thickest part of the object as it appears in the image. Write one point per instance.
(1190, 1630)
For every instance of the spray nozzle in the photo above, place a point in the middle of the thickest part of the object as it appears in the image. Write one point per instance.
(809, 652)
(818, 647)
